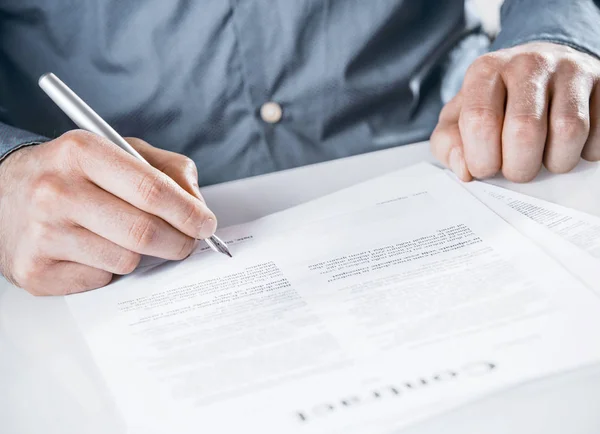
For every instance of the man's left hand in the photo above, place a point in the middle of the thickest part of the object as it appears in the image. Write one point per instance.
(519, 108)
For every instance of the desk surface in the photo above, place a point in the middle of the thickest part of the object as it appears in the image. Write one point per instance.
(49, 384)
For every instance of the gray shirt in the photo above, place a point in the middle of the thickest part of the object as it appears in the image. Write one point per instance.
(351, 76)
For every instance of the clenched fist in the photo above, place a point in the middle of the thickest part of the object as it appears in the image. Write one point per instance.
(521, 107)
(78, 209)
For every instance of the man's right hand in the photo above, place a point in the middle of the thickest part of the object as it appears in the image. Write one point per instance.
(78, 209)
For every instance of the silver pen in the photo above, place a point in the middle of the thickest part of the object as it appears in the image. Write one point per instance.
(87, 119)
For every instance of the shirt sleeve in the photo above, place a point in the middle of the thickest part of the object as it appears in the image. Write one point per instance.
(575, 23)
(12, 138)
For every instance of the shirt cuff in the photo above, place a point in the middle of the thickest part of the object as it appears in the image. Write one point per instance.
(12, 139)
(570, 23)
(16, 148)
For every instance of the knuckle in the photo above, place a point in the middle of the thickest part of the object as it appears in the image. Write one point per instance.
(438, 139)
(193, 216)
(569, 65)
(134, 141)
(571, 127)
(41, 234)
(46, 189)
(127, 262)
(74, 140)
(186, 248)
(487, 65)
(187, 165)
(21, 276)
(26, 273)
(143, 232)
(35, 288)
(444, 114)
(71, 147)
(441, 143)
(64, 154)
(72, 136)
(152, 188)
(482, 117)
(530, 62)
(527, 129)
(81, 137)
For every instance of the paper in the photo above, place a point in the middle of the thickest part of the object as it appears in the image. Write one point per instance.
(569, 236)
(373, 317)
(580, 229)
(577, 189)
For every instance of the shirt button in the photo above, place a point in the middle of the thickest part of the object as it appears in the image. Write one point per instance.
(271, 112)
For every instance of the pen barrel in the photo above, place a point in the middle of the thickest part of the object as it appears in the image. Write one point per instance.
(82, 114)
(87, 119)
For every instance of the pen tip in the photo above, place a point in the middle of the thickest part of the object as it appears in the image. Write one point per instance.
(218, 246)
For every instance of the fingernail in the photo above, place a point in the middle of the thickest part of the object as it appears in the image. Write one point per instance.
(457, 164)
(208, 228)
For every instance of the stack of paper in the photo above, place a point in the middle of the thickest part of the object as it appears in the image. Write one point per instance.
(359, 312)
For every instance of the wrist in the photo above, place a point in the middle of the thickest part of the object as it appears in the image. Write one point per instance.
(12, 151)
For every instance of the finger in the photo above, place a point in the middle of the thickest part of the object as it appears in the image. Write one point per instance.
(569, 117)
(591, 150)
(141, 185)
(76, 244)
(64, 278)
(127, 226)
(526, 117)
(482, 117)
(446, 143)
(178, 167)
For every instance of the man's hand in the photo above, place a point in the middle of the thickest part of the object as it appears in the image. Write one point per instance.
(521, 107)
(76, 210)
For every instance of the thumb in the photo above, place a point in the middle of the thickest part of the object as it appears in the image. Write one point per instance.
(178, 167)
(446, 140)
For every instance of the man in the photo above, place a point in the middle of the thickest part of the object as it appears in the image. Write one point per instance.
(244, 87)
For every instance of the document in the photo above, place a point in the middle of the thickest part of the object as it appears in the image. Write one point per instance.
(580, 229)
(406, 298)
(577, 189)
(571, 237)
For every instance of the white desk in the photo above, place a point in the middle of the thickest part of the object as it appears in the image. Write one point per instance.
(48, 382)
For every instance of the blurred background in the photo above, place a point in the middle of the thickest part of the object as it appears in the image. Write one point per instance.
(489, 11)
